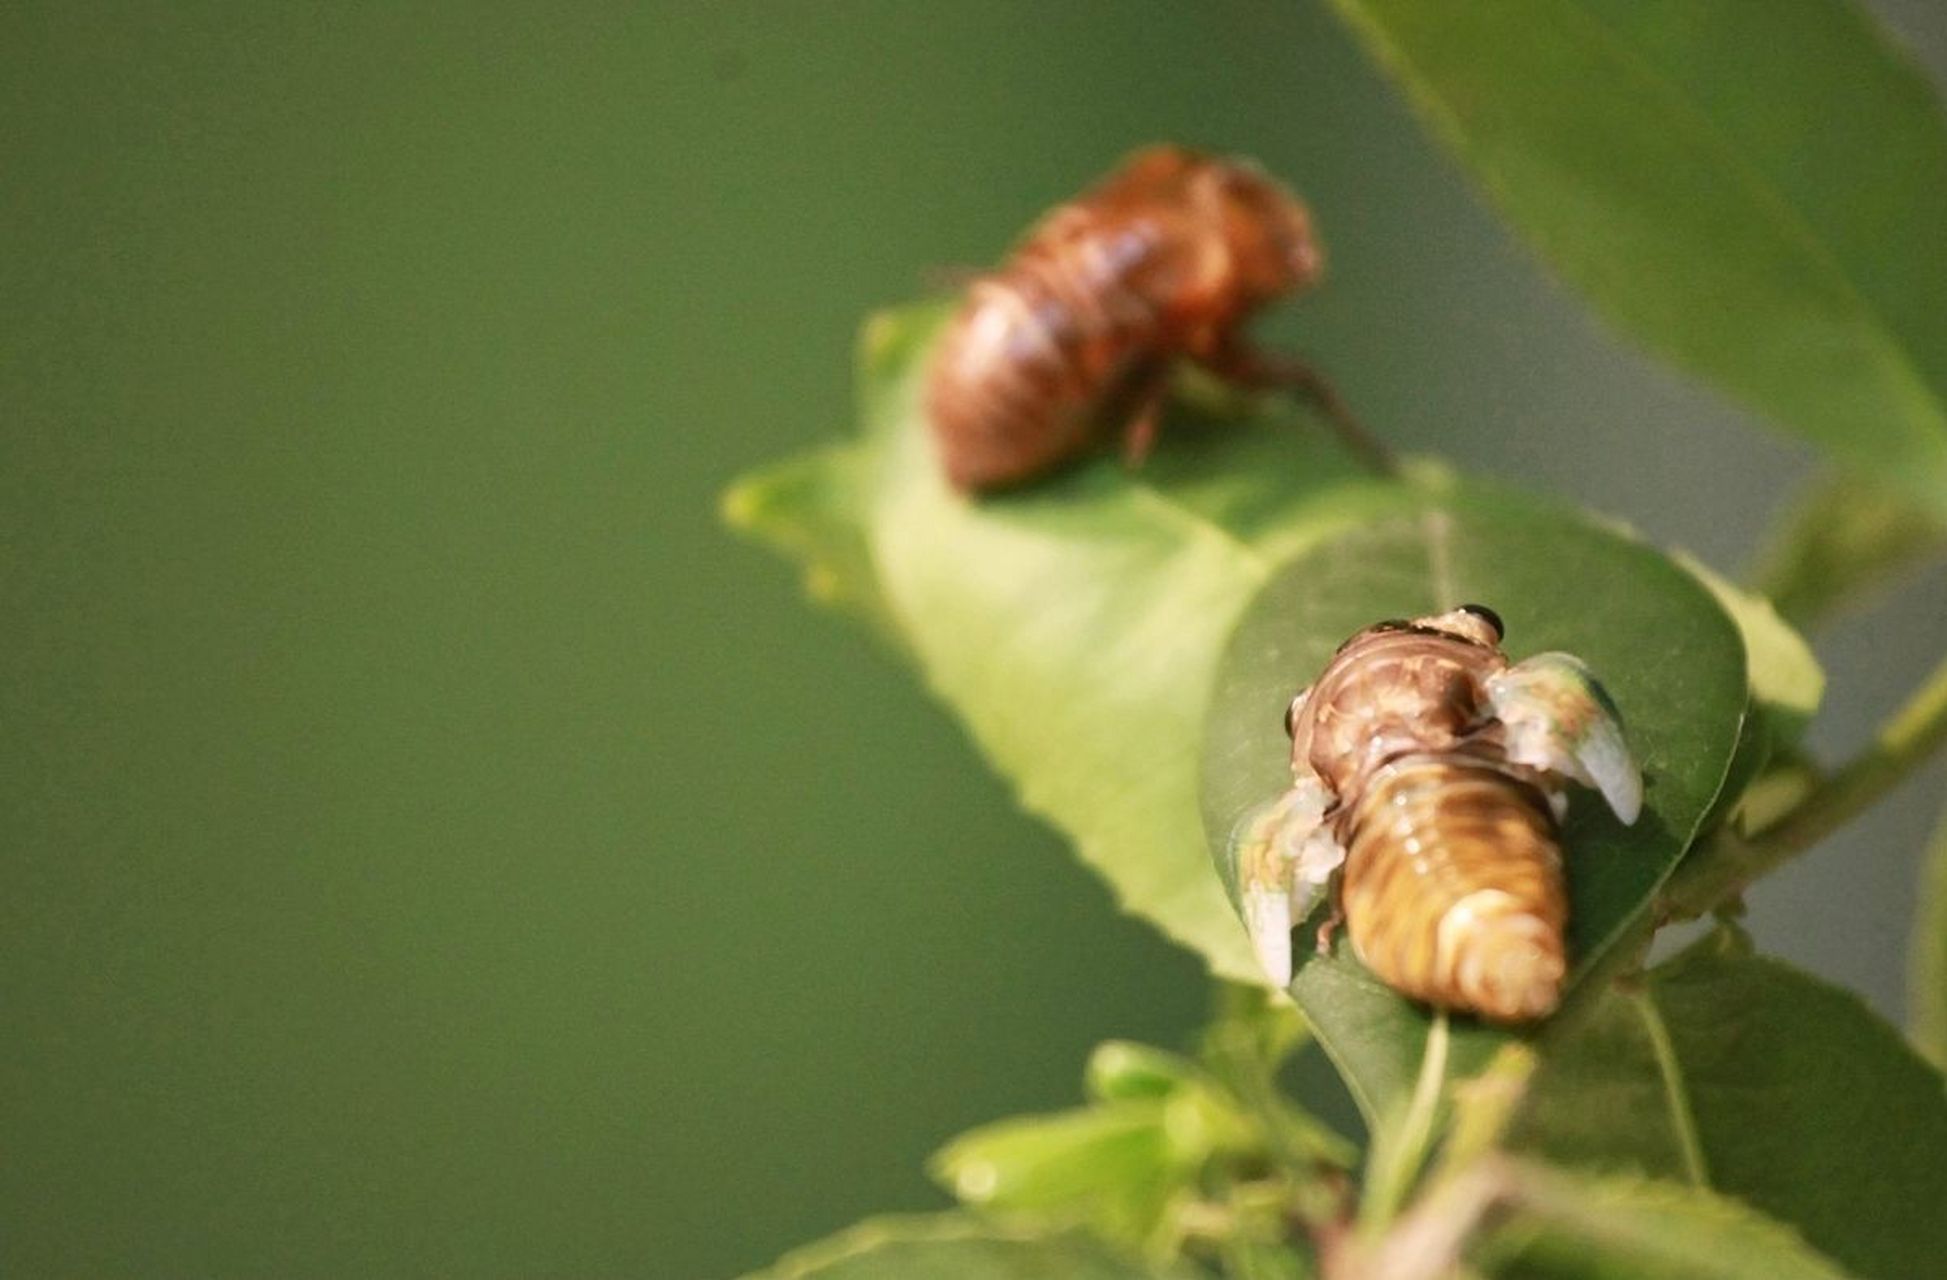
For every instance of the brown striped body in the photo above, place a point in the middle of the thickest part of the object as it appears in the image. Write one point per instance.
(1452, 887)
(1068, 341)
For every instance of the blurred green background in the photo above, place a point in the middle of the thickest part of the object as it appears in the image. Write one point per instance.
(430, 844)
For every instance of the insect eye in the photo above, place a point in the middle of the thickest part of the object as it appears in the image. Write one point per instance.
(1291, 718)
(1488, 616)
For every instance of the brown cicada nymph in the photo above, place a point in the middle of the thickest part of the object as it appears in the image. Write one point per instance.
(1427, 794)
(1071, 342)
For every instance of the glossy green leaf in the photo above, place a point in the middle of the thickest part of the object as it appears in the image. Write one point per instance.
(952, 1247)
(1927, 975)
(1745, 1075)
(1754, 191)
(1669, 656)
(1074, 625)
(1565, 1227)
(1842, 542)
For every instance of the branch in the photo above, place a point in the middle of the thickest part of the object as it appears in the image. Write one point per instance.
(1721, 869)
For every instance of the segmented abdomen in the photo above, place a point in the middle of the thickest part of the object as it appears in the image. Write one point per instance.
(1453, 887)
(1022, 375)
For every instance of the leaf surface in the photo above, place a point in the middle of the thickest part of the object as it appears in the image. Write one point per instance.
(1753, 191)
(1567, 1227)
(1669, 656)
(953, 1247)
(1768, 1084)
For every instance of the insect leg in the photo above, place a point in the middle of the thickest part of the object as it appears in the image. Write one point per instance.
(1251, 367)
(1137, 406)
(1334, 920)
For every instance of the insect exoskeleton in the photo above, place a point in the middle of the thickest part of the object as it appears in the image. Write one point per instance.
(1428, 778)
(1071, 341)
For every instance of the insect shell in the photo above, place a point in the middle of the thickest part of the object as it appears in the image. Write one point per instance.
(1428, 778)
(1070, 342)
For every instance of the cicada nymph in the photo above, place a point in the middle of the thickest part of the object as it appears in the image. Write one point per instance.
(1071, 342)
(1428, 778)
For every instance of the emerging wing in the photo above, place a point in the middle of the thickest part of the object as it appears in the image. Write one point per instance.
(1559, 719)
(1284, 857)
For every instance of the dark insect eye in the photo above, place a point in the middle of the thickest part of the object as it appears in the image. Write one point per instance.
(1488, 616)
(1291, 718)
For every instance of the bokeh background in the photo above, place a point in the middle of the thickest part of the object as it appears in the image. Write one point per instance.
(430, 844)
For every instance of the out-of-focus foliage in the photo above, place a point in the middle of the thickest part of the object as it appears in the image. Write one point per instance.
(1753, 191)
(1840, 543)
(949, 1247)
(1928, 984)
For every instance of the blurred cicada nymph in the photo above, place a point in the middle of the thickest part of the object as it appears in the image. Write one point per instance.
(1071, 342)
(1426, 800)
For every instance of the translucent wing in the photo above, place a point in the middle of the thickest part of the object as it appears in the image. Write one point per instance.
(1284, 857)
(1559, 719)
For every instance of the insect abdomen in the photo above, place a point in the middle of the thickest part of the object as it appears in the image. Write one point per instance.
(1453, 888)
(1021, 377)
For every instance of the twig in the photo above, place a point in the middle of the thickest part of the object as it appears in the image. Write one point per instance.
(1721, 869)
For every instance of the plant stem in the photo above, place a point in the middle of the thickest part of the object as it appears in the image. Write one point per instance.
(1721, 869)
(1399, 1152)
(1676, 1095)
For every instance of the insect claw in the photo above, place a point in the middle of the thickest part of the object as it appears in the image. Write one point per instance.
(1139, 437)
(1267, 915)
(1327, 930)
(1560, 720)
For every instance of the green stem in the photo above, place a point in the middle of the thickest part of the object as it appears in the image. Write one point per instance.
(1720, 870)
(1682, 1118)
(1400, 1151)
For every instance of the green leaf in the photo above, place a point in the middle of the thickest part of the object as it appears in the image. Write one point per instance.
(1074, 625)
(1754, 191)
(1567, 1227)
(1787, 685)
(1740, 1073)
(1112, 1166)
(1927, 976)
(953, 1247)
(806, 509)
(1670, 658)
(1787, 682)
(1121, 1069)
(1842, 542)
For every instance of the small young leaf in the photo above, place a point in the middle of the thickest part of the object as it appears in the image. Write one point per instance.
(807, 508)
(1842, 542)
(1766, 1084)
(1121, 1069)
(1928, 975)
(1112, 1166)
(956, 1247)
(1668, 655)
(1568, 1227)
(1753, 190)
